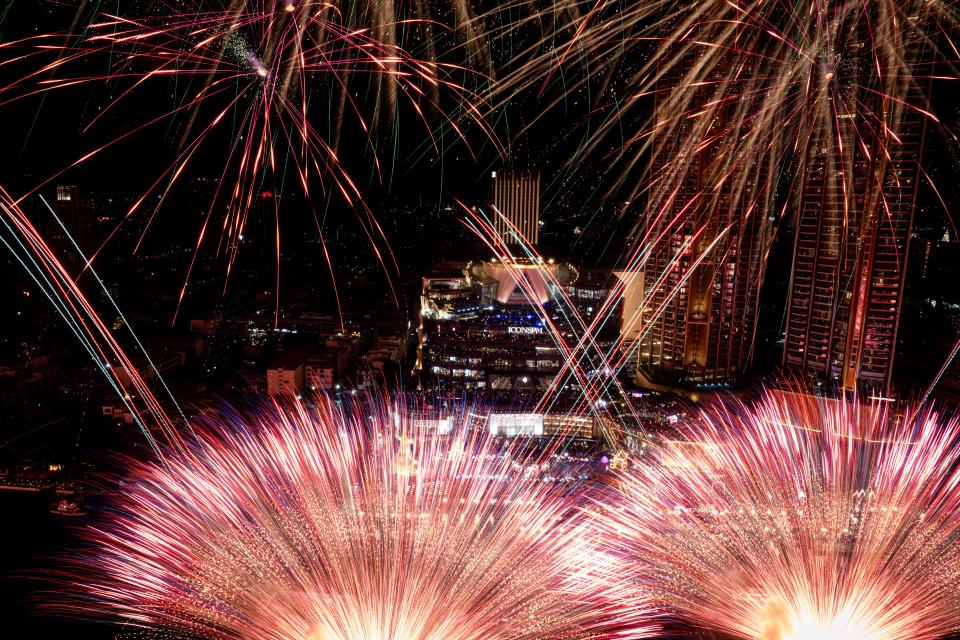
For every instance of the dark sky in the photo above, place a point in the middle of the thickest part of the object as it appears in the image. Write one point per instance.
(45, 134)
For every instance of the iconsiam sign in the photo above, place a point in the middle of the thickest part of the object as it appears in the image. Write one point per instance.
(796, 518)
(285, 522)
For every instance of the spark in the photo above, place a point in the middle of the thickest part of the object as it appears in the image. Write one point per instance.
(794, 518)
(250, 79)
(290, 521)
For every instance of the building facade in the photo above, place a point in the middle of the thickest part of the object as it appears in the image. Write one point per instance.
(516, 202)
(74, 226)
(484, 325)
(286, 375)
(853, 227)
(709, 230)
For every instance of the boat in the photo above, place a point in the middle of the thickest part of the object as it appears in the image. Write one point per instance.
(67, 508)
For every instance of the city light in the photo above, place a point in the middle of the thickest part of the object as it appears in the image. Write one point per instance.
(472, 320)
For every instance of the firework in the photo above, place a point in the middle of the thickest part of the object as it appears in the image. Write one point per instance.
(797, 518)
(152, 412)
(747, 84)
(295, 522)
(716, 121)
(587, 364)
(266, 86)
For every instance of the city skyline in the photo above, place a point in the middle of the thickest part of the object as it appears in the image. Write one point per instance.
(446, 321)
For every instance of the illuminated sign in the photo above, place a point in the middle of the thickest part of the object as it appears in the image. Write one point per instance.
(524, 330)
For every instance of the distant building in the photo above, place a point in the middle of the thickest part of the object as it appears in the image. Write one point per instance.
(224, 336)
(76, 215)
(160, 363)
(189, 346)
(117, 410)
(345, 350)
(542, 424)
(385, 354)
(365, 376)
(287, 374)
(321, 371)
(316, 367)
(516, 202)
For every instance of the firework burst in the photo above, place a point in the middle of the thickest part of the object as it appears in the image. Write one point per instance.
(266, 87)
(292, 523)
(797, 518)
(747, 84)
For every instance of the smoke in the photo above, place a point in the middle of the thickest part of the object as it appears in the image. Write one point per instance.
(775, 621)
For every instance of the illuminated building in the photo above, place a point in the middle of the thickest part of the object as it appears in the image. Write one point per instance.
(541, 424)
(482, 328)
(320, 371)
(852, 233)
(516, 202)
(631, 327)
(287, 375)
(709, 238)
(223, 336)
(483, 335)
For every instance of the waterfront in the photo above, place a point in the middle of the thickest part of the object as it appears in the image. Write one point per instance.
(36, 539)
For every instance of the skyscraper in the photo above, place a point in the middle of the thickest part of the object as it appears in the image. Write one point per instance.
(708, 236)
(76, 214)
(516, 200)
(859, 187)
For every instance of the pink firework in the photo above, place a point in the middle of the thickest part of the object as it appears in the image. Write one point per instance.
(796, 518)
(262, 89)
(289, 522)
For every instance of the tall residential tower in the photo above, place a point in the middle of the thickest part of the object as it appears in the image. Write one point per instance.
(859, 189)
(709, 235)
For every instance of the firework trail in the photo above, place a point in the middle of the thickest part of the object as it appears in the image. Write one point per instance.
(251, 77)
(588, 364)
(746, 84)
(155, 414)
(296, 522)
(796, 518)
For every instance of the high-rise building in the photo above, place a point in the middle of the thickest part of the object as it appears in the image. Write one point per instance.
(516, 202)
(859, 187)
(708, 237)
(76, 214)
(631, 327)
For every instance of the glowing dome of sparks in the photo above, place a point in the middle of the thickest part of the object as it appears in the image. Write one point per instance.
(781, 620)
(796, 518)
(297, 523)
